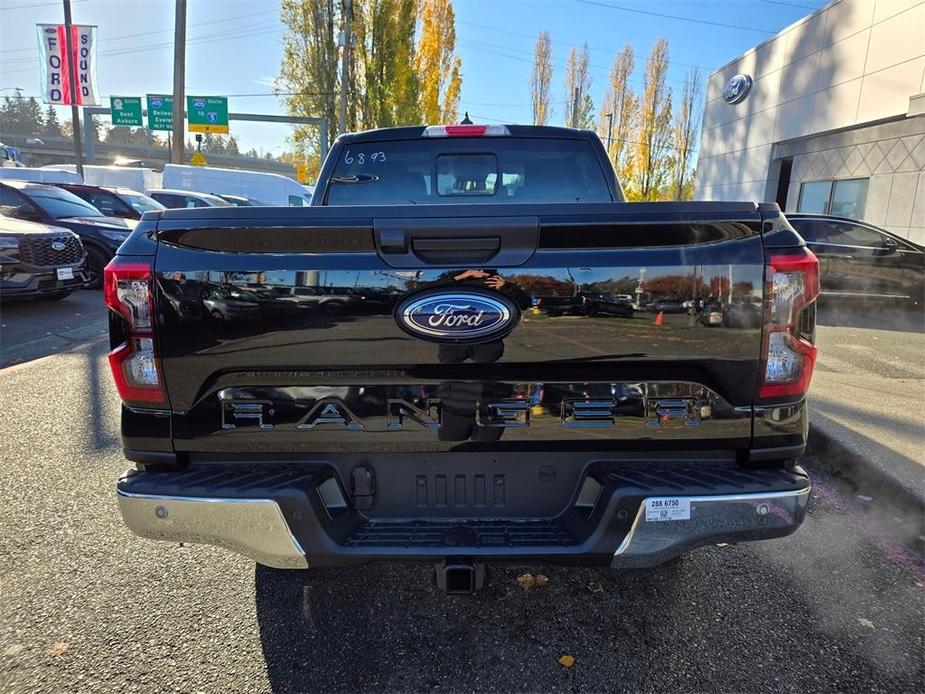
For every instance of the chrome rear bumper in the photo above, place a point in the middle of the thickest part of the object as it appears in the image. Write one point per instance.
(255, 528)
(724, 518)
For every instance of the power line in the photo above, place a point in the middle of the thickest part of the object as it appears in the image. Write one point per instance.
(508, 122)
(211, 38)
(676, 17)
(38, 4)
(560, 65)
(565, 43)
(159, 31)
(790, 4)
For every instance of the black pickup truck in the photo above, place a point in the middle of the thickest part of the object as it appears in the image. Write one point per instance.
(458, 426)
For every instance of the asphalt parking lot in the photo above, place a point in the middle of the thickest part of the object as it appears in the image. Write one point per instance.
(86, 606)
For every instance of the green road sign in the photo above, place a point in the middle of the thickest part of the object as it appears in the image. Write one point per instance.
(207, 114)
(125, 110)
(160, 112)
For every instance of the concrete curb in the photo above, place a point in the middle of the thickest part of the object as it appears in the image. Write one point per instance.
(844, 461)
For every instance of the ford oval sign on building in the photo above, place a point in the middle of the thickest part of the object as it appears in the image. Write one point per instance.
(457, 316)
(737, 89)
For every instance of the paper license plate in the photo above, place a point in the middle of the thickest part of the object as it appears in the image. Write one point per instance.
(65, 273)
(668, 508)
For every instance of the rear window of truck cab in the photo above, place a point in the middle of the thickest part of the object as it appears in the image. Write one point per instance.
(470, 170)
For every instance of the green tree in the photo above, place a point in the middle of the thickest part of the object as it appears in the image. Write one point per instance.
(126, 135)
(438, 68)
(21, 116)
(308, 78)
(52, 125)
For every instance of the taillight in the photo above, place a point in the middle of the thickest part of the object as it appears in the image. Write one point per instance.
(789, 352)
(465, 131)
(128, 290)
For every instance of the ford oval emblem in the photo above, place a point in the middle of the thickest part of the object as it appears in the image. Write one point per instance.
(457, 316)
(737, 88)
(57, 246)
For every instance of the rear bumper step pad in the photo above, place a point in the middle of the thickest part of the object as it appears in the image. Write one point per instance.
(278, 518)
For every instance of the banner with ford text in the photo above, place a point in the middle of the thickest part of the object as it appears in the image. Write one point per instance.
(56, 85)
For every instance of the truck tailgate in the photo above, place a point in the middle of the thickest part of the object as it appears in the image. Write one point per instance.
(297, 332)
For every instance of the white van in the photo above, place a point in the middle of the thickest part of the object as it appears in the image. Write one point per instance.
(39, 175)
(258, 187)
(136, 178)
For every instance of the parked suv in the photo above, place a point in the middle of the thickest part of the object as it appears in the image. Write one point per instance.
(39, 261)
(604, 304)
(37, 202)
(860, 260)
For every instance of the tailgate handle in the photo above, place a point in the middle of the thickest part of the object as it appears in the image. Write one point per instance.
(461, 241)
(456, 250)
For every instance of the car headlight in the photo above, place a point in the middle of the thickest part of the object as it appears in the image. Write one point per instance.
(115, 235)
(8, 243)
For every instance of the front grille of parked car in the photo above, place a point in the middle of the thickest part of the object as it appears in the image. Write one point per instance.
(37, 250)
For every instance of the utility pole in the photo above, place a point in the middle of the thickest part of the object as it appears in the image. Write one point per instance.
(609, 132)
(345, 67)
(179, 81)
(575, 108)
(72, 80)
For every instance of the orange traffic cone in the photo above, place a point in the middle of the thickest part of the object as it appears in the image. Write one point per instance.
(660, 318)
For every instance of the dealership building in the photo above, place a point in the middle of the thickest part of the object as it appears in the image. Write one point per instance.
(826, 116)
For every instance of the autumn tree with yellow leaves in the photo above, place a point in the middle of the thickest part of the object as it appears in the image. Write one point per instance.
(684, 129)
(436, 64)
(579, 108)
(541, 80)
(651, 155)
(619, 113)
(384, 50)
(403, 66)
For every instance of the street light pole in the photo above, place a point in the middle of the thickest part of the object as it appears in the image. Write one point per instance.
(345, 67)
(179, 81)
(72, 64)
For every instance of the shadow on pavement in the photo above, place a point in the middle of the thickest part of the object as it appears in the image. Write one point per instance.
(700, 624)
(875, 316)
(33, 329)
(104, 427)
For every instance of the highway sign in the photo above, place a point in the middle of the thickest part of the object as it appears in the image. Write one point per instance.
(199, 159)
(207, 114)
(160, 111)
(125, 110)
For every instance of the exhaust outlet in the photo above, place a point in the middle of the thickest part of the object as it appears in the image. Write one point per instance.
(459, 576)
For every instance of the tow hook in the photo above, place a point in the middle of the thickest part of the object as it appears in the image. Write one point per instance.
(459, 576)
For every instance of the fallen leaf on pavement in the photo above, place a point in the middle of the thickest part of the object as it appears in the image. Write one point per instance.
(864, 622)
(595, 587)
(528, 581)
(566, 660)
(58, 648)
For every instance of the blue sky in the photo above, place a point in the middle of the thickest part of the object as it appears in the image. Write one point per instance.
(235, 46)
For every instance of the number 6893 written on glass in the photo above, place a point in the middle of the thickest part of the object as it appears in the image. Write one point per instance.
(362, 158)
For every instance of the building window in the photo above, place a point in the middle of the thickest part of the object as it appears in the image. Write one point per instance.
(845, 198)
